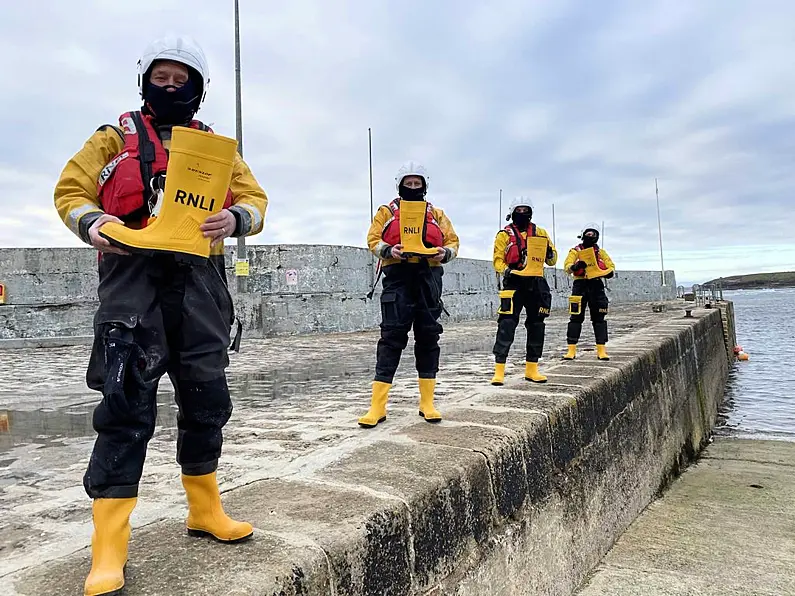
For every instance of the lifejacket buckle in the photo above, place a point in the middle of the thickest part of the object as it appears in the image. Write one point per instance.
(156, 185)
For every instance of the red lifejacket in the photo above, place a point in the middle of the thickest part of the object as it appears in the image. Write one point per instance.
(516, 251)
(432, 235)
(124, 187)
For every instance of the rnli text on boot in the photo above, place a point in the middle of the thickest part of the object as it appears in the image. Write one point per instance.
(410, 230)
(190, 199)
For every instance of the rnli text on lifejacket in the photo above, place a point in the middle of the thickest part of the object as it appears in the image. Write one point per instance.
(192, 200)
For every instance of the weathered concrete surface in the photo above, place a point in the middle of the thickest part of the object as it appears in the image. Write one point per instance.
(727, 526)
(521, 490)
(51, 292)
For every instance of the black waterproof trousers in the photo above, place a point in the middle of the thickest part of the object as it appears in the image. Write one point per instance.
(595, 299)
(411, 298)
(533, 295)
(157, 316)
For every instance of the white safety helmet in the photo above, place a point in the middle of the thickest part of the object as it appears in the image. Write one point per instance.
(178, 48)
(591, 225)
(518, 202)
(412, 168)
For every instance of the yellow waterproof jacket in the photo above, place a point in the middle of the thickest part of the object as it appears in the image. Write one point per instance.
(378, 246)
(76, 192)
(574, 256)
(501, 245)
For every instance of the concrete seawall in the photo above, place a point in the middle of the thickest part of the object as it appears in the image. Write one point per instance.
(51, 292)
(521, 490)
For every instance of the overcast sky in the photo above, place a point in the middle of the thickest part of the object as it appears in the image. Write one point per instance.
(581, 104)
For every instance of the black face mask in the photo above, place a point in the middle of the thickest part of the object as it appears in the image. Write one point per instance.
(589, 241)
(411, 194)
(521, 220)
(172, 107)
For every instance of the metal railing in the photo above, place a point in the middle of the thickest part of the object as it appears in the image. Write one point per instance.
(708, 293)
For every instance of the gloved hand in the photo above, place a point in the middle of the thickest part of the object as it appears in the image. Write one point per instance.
(392, 252)
(550, 254)
(579, 266)
(506, 275)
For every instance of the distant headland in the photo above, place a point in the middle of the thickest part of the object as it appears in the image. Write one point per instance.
(784, 279)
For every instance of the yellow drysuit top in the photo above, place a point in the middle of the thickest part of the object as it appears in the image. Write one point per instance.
(501, 244)
(574, 256)
(76, 192)
(377, 244)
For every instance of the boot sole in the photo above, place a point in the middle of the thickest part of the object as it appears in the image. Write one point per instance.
(534, 381)
(431, 420)
(365, 425)
(205, 534)
(116, 592)
(497, 384)
(603, 359)
(568, 358)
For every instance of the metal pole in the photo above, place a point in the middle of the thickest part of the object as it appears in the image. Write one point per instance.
(602, 235)
(499, 227)
(242, 280)
(373, 261)
(370, 147)
(659, 231)
(555, 242)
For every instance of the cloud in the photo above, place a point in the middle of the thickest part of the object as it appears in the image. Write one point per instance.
(578, 104)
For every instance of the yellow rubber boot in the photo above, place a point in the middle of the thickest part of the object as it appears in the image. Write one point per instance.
(571, 354)
(206, 516)
(109, 546)
(427, 411)
(197, 179)
(377, 411)
(531, 373)
(601, 352)
(499, 374)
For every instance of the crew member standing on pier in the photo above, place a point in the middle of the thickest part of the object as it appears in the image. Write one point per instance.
(589, 265)
(520, 252)
(413, 239)
(157, 314)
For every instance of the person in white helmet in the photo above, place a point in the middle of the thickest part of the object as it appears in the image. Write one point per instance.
(520, 251)
(156, 314)
(589, 265)
(412, 293)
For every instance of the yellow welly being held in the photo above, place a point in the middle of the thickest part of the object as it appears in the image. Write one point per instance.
(197, 179)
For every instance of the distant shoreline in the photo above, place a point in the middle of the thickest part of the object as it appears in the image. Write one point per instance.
(756, 281)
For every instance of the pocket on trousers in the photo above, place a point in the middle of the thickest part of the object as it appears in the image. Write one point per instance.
(575, 305)
(506, 302)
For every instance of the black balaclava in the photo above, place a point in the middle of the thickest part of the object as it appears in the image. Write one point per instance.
(412, 194)
(522, 220)
(173, 107)
(589, 241)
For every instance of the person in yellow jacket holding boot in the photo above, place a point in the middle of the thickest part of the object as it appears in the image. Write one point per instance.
(158, 313)
(589, 265)
(520, 252)
(413, 239)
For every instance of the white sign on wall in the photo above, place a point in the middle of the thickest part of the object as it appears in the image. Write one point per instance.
(291, 275)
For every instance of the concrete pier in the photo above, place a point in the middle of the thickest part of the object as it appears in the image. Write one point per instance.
(521, 490)
(726, 527)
